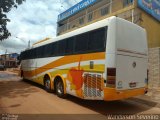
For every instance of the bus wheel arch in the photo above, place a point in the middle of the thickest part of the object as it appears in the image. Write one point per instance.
(47, 82)
(60, 86)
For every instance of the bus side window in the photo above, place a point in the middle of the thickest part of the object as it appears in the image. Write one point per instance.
(27, 54)
(48, 51)
(61, 47)
(40, 52)
(54, 49)
(97, 40)
(31, 53)
(81, 45)
(69, 46)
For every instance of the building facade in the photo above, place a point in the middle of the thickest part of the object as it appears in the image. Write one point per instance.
(9, 60)
(145, 13)
(137, 11)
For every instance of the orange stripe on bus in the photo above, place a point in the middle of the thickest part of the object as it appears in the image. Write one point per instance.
(65, 60)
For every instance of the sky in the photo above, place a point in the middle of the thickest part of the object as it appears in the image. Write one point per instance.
(34, 20)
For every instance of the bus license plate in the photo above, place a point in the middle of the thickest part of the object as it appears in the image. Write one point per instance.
(132, 84)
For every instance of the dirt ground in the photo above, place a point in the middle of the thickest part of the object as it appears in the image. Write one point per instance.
(18, 97)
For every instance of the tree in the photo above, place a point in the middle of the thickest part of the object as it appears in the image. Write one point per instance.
(5, 7)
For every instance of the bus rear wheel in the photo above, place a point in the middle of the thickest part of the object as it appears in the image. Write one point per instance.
(60, 89)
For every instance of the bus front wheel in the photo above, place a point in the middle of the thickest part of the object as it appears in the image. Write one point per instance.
(47, 84)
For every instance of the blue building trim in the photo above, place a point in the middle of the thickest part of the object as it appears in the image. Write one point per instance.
(152, 7)
(76, 8)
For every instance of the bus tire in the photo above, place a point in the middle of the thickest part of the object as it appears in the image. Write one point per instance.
(60, 89)
(47, 84)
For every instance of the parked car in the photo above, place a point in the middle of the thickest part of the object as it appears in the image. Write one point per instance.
(2, 67)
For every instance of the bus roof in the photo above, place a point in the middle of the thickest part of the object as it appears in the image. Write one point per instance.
(87, 28)
(41, 41)
(84, 29)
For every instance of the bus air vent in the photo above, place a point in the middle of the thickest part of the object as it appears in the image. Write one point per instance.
(92, 85)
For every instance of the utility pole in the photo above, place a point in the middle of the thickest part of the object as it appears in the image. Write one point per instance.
(29, 44)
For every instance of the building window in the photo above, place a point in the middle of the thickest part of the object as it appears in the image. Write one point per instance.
(127, 2)
(90, 17)
(81, 20)
(104, 11)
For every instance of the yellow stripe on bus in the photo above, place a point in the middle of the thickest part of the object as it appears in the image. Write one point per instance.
(65, 60)
(98, 68)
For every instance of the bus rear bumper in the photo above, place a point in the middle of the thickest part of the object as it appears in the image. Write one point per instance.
(111, 94)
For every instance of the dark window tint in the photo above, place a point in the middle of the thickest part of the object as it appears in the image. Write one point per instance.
(32, 53)
(48, 50)
(70, 45)
(97, 39)
(55, 49)
(93, 41)
(81, 43)
(40, 51)
(61, 47)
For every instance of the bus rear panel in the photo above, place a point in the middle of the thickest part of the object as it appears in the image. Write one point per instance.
(127, 76)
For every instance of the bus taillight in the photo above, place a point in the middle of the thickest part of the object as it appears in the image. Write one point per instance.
(111, 77)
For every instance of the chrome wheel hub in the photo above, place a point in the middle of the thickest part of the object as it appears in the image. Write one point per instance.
(59, 88)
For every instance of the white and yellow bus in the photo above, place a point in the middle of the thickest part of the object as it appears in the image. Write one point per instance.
(106, 60)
